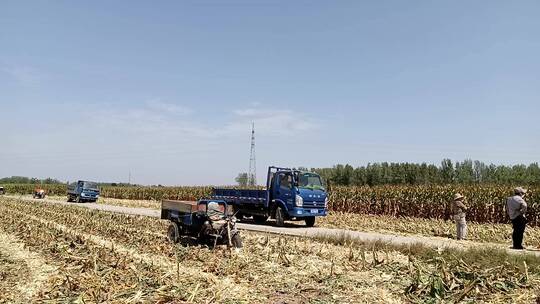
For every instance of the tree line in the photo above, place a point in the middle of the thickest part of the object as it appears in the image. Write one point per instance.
(448, 172)
(28, 180)
(50, 181)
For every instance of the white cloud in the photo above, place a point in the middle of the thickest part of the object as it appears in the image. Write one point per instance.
(157, 121)
(277, 122)
(24, 75)
(171, 108)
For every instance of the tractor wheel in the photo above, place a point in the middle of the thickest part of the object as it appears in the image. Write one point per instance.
(173, 233)
(69, 199)
(236, 241)
(310, 221)
(280, 217)
(260, 219)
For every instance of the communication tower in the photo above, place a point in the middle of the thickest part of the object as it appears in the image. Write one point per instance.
(252, 173)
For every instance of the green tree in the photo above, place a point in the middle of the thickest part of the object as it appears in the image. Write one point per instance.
(242, 179)
(447, 171)
(464, 172)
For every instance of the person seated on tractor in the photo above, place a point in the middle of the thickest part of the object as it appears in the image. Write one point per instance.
(216, 214)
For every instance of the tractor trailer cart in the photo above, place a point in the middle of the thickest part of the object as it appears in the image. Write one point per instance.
(209, 221)
(289, 195)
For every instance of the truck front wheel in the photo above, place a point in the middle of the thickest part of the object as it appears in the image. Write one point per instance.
(280, 217)
(310, 221)
(260, 219)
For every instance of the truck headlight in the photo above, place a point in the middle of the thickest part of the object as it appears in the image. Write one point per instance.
(299, 201)
(326, 202)
(83, 194)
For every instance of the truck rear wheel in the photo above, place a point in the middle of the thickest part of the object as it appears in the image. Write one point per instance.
(280, 217)
(173, 233)
(310, 221)
(260, 219)
(69, 199)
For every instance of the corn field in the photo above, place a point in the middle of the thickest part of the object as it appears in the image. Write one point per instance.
(486, 202)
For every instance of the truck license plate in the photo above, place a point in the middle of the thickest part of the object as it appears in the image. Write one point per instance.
(314, 211)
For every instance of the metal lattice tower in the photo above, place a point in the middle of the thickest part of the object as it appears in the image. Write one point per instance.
(252, 173)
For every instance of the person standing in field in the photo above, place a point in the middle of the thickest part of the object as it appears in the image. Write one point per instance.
(458, 211)
(516, 208)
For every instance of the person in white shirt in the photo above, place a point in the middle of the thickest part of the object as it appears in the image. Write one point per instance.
(516, 208)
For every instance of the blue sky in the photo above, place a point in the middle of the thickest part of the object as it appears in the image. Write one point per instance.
(167, 90)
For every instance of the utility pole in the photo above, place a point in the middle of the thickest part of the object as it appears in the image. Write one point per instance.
(252, 173)
(129, 178)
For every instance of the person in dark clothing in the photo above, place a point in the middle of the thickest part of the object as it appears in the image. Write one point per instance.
(516, 208)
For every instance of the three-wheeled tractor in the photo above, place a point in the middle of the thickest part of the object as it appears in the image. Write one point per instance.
(39, 193)
(209, 221)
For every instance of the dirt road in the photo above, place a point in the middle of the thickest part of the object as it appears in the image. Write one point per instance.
(313, 232)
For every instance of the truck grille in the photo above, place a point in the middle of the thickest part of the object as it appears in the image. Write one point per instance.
(313, 204)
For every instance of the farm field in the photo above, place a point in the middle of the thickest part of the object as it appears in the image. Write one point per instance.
(151, 204)
(477, 232)
(93, 256)
(96, 256)
(486, 202)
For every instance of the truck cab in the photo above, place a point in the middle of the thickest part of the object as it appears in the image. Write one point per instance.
(83, 191)
(296, 195)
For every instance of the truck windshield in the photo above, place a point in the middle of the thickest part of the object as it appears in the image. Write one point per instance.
(309, 180)
(90, 185)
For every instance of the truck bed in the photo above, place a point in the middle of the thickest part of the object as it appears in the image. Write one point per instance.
(242, 196)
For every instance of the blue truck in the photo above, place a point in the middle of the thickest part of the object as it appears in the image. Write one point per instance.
(289, 195)
(82, 191)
